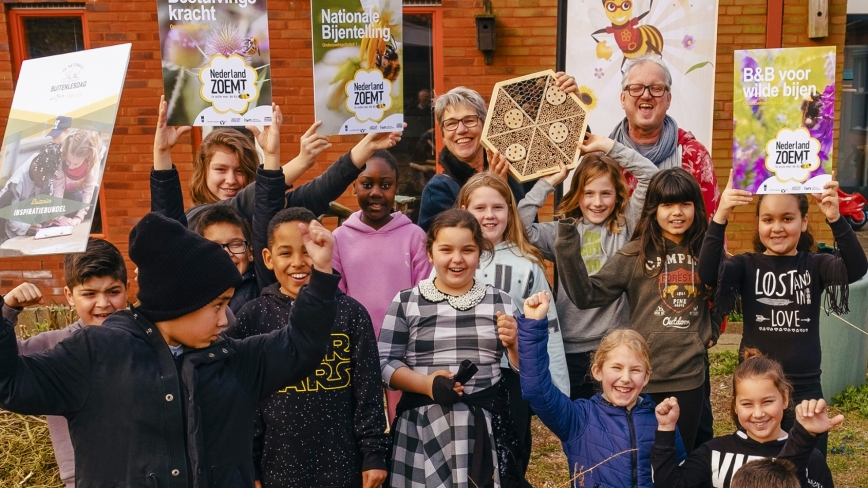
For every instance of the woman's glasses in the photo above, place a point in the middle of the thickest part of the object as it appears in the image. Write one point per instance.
(468, 121)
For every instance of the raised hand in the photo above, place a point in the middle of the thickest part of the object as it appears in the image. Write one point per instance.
(374, 141)
(814, 417)
(536, 307)
(729, 199)
(165, 138)
(828, 200)
(269, 137)
(23, 295)
(566, 82)
(319, 243)
(667, 413)
(556, 179)
(507, 328)
(594, 143)
(312, 144)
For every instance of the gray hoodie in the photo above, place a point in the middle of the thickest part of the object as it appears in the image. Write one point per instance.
(583, 329)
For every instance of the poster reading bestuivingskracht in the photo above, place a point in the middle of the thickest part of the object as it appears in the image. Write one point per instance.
(357, 56)
(784, 113)
(216, 63)
(54, 151)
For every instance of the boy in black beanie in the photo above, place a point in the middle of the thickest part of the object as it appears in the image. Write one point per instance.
(155, 397)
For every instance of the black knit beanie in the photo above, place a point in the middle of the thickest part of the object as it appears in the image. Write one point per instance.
(179, 270)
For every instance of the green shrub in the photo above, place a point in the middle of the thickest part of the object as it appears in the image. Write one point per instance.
(853, 399)
(723, 363)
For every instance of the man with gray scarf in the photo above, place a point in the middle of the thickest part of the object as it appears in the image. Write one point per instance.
(645, 98)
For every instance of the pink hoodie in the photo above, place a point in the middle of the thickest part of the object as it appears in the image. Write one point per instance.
(377, 264)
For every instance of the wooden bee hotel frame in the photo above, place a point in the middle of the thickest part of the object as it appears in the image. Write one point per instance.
(535, 124)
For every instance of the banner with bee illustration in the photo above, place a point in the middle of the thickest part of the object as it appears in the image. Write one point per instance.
(54, 150)
(601, 36)
(216, 63)
(357, 58)
(783, 113)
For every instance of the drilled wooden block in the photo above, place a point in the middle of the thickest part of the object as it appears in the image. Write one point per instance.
(535, 124)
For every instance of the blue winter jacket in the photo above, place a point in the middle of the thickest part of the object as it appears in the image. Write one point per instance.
(591, 430)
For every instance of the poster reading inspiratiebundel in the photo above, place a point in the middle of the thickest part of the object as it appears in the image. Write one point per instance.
(216, 64)
(783, 111)
(53, 153)
(357, 56)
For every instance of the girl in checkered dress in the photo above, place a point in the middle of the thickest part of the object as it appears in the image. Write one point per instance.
(449, 434)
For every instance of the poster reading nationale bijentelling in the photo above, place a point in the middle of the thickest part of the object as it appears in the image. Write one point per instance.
(54, 151)
(783, 114)
(216, 63)
(357, 56)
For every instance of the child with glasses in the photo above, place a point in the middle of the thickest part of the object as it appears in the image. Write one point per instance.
(225, 226)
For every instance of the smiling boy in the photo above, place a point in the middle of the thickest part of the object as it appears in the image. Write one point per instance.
(155, 397)
(340, 405)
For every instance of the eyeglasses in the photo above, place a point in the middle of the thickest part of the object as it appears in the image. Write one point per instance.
(637, 90)
(469, 121)
(235, 247)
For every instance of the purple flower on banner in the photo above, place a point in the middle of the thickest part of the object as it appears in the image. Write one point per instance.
(598, 72)
(688, 42)
(818, 116)
(749, 169)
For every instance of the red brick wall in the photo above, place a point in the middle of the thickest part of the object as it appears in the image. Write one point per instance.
(526, 31)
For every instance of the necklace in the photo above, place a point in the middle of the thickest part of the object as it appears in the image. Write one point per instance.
(461, 302)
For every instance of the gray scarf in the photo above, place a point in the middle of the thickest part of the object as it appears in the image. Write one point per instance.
(663, 153)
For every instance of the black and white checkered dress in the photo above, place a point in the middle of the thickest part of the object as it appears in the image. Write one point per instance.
(424, 331)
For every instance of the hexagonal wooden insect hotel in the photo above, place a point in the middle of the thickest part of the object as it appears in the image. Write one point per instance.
(535, 125)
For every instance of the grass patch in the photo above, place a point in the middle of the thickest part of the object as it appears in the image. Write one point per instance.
(26, 456)
(853, 399)
(723, 363)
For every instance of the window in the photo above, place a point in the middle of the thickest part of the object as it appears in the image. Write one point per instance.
(38, 30)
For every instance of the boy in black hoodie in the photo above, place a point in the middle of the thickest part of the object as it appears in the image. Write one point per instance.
(155, 397)
(329, 429)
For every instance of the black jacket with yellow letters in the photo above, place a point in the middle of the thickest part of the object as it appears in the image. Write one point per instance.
(326, 429)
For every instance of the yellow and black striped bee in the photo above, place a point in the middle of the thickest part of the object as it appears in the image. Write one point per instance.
(633, 40)
(388, 62)
(244, 96)
(251, 46)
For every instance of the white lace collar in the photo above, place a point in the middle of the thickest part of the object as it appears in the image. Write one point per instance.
(463, 302)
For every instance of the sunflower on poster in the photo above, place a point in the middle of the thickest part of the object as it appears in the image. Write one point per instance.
(352, 41)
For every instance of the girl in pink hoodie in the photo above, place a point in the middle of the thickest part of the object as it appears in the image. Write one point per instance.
(379, 253)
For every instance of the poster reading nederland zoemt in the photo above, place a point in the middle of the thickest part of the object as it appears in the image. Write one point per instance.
(216, 67)
(357, 56)
(783, 111)
(53, 153)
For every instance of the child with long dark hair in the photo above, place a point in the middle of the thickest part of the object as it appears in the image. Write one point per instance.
(668, 301)
(781, 284)
(760, 394)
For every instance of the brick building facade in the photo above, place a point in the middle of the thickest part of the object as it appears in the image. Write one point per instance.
(526, 42)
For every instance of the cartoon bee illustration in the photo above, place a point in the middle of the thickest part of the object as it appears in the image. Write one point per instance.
(388, 62)
(244, 96)
(382, 105)
(632, 39)
(251, 46)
